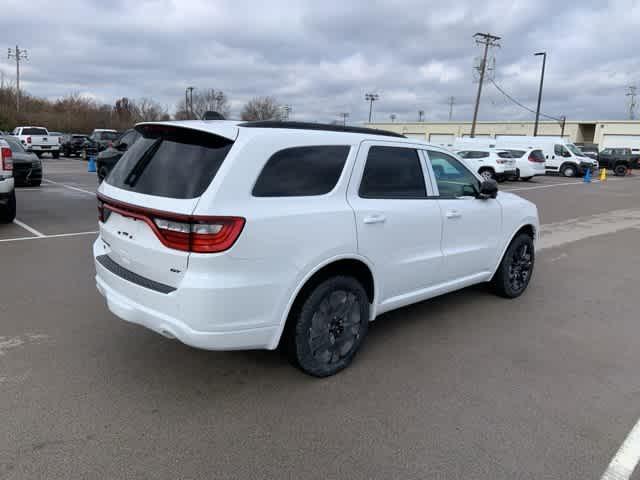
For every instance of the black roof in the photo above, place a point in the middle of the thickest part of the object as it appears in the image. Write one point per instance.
(318, 126)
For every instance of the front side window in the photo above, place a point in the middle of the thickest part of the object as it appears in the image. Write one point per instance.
(302, 171)
(392, 173)
(606, 151)
(453, 178)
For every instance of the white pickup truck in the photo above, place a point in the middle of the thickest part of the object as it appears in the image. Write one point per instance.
(38, 140)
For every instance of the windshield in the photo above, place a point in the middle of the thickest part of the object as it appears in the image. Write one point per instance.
(107, 135)
(14, 144)
(575, 150)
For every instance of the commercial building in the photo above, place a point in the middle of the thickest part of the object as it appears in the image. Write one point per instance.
(604, 133)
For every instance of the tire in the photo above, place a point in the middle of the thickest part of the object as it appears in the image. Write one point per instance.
(620, 170)
(487, 174)
(8, 213)
(516, 268)
(102, 173)
(569, 170)
(525, 179)
(322, 323)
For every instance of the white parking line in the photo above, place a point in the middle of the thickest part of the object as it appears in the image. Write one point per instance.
(88, 192)
(57, 235)
(626, 458)
(28, 228)
(546, 186)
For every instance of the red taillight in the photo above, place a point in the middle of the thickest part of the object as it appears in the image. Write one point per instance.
(28, 139)
(188, 233)
(7, 161)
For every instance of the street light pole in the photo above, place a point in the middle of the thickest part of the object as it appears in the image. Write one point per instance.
(371, 97)
(544, 62)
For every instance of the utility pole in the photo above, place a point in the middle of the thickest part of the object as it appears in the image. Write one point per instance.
(371, 97)
(487, 40)
(563, 120)
(344, 116)
(544, 63)
(632, 103)
(451, 102)
(18, 54)
(420, 115)
(392, 117)
(286, 110)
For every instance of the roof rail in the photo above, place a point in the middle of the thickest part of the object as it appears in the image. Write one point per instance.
(318, 126)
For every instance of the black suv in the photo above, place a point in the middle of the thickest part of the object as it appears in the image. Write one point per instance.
(108, 158)
(74, 144)
(618, 159)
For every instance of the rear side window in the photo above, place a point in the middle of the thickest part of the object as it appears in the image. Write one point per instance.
(393, 172)
(537, 155)
(34, 131)
(301, 171)
(170, 162)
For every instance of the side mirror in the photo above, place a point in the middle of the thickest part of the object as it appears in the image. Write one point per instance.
(488, 189)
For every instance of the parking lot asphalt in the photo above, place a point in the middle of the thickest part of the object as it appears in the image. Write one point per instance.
(466, 386)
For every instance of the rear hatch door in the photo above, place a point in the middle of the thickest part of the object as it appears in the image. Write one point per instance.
(160, 178)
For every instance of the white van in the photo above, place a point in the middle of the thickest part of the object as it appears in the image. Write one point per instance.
(561, 156)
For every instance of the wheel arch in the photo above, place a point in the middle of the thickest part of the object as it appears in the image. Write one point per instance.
(354, 265)
(530, 228)
(569, 163)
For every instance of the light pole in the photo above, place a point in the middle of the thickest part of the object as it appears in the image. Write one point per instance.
(420, 115)
(371, 97)
(544, 62)
(344, 116)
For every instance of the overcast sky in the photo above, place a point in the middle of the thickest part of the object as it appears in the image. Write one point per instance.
(321, 57)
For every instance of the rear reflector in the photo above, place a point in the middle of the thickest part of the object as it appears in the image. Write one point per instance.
(7, 161)
(189, 233)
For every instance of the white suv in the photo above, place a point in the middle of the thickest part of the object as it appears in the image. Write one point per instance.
(490, 163)
(253, 235)
(7, 189)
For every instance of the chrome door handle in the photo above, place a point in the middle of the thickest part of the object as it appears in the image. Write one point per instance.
(374, 219)
(453, 214)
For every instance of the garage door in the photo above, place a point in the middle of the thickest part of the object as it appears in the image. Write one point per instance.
(442, 138)
(417, 136)
(613, 141)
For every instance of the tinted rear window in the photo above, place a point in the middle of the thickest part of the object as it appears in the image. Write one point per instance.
(170, 162)
(302, 171)
(516, 153)
(504, 155)
(392, 172)
(34, 131)
(106, 135)
(538, 155)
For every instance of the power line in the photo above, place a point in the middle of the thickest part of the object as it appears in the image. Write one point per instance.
(557, 119)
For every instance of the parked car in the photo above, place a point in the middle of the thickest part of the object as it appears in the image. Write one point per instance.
(260, 234)
(529, 163)
(37, 140)
(103, 138)
(27, 167)
(107, 159)
(618, 159)
(7, 184)
(74, 144)
(490, 163)
(590, 150)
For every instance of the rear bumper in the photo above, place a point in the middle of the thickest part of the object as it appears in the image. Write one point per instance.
(38, 148)
(511, 172)
(222, 318)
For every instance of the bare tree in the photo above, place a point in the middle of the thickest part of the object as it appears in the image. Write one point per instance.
(210, 100)
(149, 110)
(261, 108)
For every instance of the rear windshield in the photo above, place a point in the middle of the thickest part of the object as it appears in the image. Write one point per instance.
(538, 155)
(106, 135)
(516, 153)
(504, 155)
(170, 162)
(34, 131)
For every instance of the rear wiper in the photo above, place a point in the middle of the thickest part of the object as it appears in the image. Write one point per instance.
(138, 168)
